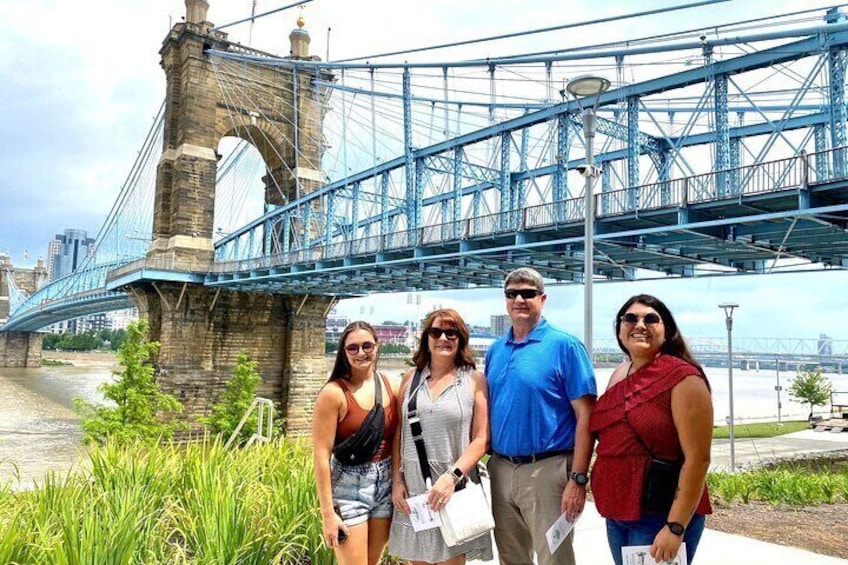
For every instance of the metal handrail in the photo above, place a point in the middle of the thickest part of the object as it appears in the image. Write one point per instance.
(264, 422)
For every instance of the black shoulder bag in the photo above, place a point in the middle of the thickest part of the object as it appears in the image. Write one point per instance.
(363, 445)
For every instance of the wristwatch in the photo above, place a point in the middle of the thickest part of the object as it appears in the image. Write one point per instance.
(581, 479)
(676, 528)
(456, 474)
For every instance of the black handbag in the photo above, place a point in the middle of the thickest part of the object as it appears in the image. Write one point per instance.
(363, 445)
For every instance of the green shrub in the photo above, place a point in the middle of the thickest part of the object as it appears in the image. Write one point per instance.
(240, 392)
(139, 410)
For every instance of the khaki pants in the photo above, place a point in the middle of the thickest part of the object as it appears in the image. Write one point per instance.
(526, 502)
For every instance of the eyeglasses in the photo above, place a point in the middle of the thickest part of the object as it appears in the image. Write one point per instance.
(632, 319)
(354, 348)
(525, 293)
(449, 333)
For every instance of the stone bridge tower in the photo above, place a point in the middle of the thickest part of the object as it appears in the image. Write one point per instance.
(202, 330)
(19, 349)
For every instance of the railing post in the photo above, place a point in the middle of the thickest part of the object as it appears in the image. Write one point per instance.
(805, 170)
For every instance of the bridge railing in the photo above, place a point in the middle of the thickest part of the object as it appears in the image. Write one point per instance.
(759, 178)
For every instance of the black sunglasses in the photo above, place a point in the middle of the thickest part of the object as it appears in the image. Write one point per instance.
(525, 293)
(449, 333)
(632, 319)
(354, 348)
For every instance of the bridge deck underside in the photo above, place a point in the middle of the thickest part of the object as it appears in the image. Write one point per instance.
(740, 233)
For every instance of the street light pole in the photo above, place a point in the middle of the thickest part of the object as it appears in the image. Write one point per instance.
(583, 87)
(728, 320)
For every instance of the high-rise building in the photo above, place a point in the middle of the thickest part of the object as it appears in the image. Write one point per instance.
(53, 250)
(67, 252)
(499, 324)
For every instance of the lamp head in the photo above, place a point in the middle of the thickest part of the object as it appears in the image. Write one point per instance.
(728, 308)
(587, 85)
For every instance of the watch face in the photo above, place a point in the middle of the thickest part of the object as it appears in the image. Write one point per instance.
(457, 472)
(675, 528)
(580, 478)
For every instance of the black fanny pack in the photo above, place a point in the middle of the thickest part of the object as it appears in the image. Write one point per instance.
(363, 445)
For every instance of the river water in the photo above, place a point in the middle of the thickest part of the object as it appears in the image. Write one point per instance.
(40, 431)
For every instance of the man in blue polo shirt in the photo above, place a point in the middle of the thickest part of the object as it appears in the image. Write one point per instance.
(541, 392)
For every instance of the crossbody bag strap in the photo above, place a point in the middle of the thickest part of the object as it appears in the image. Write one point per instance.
(378, 390)
(415, 428)
(630, 425)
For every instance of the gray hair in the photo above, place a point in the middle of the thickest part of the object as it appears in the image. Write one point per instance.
(525, 275)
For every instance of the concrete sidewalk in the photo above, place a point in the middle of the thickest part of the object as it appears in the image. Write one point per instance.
(591, 548)
(590, 544)
(753, 452)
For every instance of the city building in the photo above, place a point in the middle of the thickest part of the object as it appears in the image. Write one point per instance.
(499, 324)
(334, 326)
(391, 333)
(54, 248)
(120, 319)
(72, 249)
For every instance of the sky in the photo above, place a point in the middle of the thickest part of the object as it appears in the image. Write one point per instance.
(81, 84)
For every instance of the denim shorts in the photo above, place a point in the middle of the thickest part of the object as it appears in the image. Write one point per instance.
(362, 492)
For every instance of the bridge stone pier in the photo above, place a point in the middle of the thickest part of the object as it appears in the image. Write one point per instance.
(19, 349)
(202, 329)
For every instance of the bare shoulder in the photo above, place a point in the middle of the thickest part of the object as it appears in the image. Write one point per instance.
(478, 378)
(618, 374)
(331, 393)
(692, 385)
(406, 379)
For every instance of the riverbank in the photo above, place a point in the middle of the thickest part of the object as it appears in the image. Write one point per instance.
(83, 358)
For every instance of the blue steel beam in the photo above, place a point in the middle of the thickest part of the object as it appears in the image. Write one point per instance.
(836, 60)
(762, 59)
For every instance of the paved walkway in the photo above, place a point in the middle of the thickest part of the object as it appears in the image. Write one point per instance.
(716, 547)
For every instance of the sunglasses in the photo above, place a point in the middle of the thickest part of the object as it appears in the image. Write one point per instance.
(449, 333)
(525, 293)
(354, 348)
(632, 319)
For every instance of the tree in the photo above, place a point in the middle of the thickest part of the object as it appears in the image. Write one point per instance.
(240, 392)
(139, 410)
(812, 387)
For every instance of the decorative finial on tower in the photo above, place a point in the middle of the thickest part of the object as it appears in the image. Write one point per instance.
(299, 39)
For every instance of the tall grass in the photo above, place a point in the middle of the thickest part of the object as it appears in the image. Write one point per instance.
(195, 504)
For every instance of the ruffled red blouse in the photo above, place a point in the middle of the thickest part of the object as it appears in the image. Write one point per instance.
(619, 471)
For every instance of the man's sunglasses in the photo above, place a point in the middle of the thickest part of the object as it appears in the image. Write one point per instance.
(354, 348)
(449, 333)
(632, 319)
(525, 293)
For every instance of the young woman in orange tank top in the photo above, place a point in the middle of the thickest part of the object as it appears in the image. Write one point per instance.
(356, 506)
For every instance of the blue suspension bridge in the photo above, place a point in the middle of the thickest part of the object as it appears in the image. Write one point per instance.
(718, 154)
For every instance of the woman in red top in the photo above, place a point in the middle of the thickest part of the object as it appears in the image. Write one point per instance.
(356, 504)
(657, 404)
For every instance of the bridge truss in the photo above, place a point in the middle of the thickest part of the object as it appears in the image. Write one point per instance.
(720, 154)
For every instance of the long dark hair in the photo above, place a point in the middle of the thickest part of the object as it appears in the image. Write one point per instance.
(464, 354)
(674, 343)
(341, 368)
